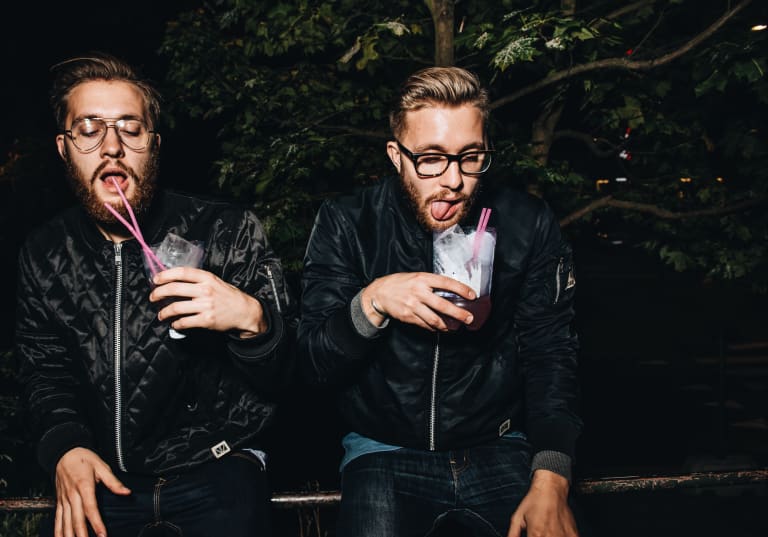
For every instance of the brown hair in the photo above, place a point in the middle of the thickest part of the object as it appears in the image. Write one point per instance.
(448, 86)
(68, 74)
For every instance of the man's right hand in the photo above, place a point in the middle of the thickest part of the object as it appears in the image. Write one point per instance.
(410, 297)
(77, 473)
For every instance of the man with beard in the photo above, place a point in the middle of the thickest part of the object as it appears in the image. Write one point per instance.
(473, 430)
(143, 431)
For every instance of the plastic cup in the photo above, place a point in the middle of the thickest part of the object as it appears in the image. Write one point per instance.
(175, 251)
(462, 265)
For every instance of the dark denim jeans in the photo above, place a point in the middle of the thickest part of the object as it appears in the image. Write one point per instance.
(402, 493)
(229, 497)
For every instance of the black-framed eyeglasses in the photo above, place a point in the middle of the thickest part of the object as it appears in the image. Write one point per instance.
(88, 133)
(473, 162)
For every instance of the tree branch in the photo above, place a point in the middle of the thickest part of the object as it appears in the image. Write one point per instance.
(660, 212)
(629, 8)
(623, 62)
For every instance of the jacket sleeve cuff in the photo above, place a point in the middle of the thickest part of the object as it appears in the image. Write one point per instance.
(60, 439)
(262, 344)
(363, 326)
(554, 461)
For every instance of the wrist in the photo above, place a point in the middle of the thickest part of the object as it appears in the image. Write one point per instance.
(549, 480)
(256, 323)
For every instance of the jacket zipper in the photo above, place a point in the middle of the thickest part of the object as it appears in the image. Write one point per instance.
(117, 355)
(557, 280)
(274, 289)
(433, 400)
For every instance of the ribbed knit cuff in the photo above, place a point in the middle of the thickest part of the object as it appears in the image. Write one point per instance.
(554, 461)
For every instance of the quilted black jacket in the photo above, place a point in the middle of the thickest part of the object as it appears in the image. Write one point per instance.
(100, 370)
(439, 391)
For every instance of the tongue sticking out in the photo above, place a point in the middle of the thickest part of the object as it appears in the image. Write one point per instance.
(113, 182)
(443, 210)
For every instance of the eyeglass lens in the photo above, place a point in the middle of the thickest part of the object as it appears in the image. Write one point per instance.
(470, 162)
(88, 133)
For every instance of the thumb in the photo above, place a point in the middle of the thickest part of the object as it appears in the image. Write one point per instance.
(110, 480)
(515, 527)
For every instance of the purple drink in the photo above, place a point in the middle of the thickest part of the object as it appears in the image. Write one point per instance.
(480, 309)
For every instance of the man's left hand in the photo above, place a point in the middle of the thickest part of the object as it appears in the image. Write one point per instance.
(544, 511)
(201, 299)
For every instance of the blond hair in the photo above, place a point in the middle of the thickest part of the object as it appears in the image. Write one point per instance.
(436, 86)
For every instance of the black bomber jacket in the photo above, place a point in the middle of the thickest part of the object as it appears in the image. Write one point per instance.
(411, 387)
(100, 371)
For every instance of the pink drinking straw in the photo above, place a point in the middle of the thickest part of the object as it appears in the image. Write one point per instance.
(155, 265)
(485, 214)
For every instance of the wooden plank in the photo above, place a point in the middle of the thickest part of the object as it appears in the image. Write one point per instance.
(606, 485)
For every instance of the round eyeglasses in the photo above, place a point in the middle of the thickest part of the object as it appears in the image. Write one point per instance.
(88, 133)
(474, 162)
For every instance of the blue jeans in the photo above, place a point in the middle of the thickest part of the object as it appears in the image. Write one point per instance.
(229, 497)
(402, 493)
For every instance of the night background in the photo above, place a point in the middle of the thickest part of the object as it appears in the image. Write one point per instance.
(281, 104)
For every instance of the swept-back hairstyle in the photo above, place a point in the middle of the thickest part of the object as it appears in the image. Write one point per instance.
(98, 66)
(433, 86)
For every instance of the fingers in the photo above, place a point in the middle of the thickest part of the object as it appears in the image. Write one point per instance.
(182, 274)
(58, 526)
(448, 308)
(78, 514)
(74, 510)
(77, 473)
(67, 529)
(181, 289)
(105, 476)
(515, 527)
(411, 298)
(438, 281)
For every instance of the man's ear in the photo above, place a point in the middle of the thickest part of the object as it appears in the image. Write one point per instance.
(157, 139)
(394, 154)
(61, 146)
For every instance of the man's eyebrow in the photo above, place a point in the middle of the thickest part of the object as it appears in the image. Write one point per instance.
(97, 116)
(440, 149)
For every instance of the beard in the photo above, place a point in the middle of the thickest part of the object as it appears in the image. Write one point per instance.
(145, 182)
(421, 207)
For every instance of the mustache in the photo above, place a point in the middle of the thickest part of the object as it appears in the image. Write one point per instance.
(446, 196)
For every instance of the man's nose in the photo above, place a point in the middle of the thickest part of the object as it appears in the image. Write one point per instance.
(112, 145)
(452, 177)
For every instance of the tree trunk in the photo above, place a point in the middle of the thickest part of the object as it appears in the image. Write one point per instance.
(542, 135)
(543, 128)
(442, 17)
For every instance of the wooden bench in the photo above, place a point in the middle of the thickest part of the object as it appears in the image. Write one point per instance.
(606, 485)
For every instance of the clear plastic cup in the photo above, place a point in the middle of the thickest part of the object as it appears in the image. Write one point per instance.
(175, 251)
(456, 256)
